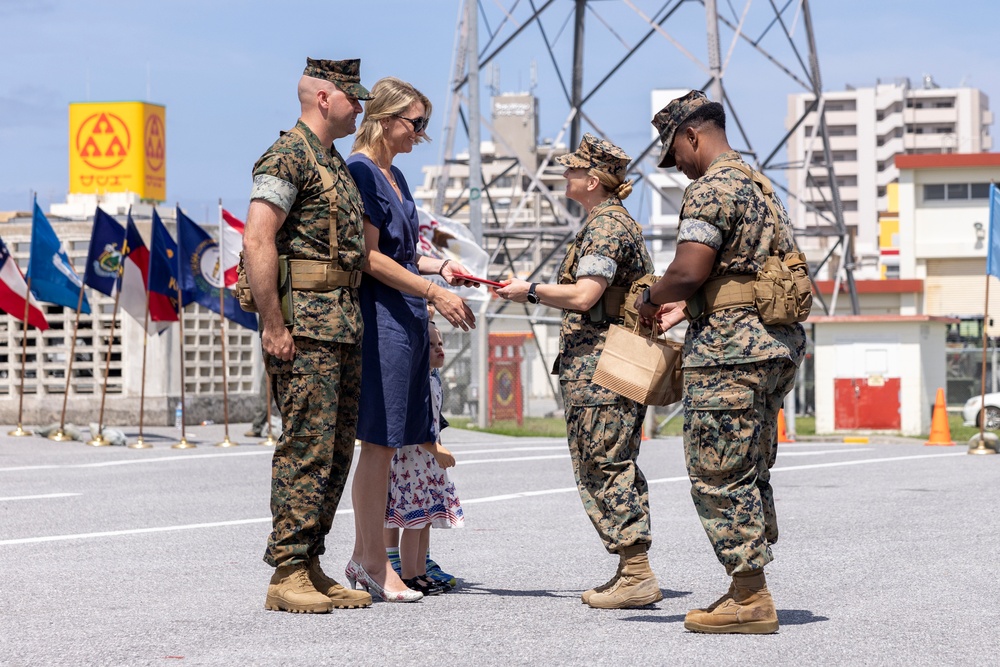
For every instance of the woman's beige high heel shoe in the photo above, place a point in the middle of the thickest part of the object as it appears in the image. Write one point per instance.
(374, 589)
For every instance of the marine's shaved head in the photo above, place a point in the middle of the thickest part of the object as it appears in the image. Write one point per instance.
(309, 86)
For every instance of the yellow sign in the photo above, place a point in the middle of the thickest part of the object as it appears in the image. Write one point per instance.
(118, 147)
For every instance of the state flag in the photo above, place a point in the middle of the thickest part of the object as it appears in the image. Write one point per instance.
(104, 257)
(163, 259)
(134, 282)
(230, 246)
(14, 292)
(202, 275)
(52, 276)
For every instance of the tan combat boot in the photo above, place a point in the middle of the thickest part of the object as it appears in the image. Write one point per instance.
(585, 596)
(748, 610)
(342, 598)
(636, 586)
(291, 590)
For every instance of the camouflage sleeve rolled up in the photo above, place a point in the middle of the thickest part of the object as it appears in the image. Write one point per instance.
(704, 214)
(597, 265)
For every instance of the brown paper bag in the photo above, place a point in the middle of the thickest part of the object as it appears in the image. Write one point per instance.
(647, 370)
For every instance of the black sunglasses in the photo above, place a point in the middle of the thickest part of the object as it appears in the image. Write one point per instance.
(419, 123)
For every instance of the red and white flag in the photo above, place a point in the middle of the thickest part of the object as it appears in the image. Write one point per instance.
(14, 291)
(135, 279)
(230, 245)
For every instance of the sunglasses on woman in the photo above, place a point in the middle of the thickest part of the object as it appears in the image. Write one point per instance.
(419, 123)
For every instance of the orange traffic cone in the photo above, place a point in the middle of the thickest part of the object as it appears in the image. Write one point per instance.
(940, 431)
(782, 429)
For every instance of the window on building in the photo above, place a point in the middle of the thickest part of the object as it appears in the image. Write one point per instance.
(842, 131)
(841, 105)
(957, 191)
(979, 190)
(882, 190)
(933, 192)
(944, 129)
(845, 156)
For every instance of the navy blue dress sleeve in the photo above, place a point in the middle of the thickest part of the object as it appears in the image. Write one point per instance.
(376, 205)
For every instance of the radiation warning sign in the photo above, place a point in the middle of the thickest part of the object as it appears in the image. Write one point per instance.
(118, 147)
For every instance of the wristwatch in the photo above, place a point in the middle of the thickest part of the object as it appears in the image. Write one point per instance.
(532, 297)
(647, 298)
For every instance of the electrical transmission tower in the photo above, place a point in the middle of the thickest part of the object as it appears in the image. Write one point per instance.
(688, 43)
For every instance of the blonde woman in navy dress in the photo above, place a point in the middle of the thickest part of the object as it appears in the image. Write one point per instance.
(395, 405)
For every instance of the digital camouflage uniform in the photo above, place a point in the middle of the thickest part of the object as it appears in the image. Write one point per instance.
(317, 391)
(737, 372)
(604, 429)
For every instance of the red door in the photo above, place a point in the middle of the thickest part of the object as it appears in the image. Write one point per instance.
(859, 405)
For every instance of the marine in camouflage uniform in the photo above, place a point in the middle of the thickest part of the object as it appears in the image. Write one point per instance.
(317, 390)
(737, 370)
(604, 429)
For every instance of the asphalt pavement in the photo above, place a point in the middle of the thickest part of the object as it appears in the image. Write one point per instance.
(114, 556)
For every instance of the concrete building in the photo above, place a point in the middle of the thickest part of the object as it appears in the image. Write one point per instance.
(47, 352)
(868, 128)
(944, 228)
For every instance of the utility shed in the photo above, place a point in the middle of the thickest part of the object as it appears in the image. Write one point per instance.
(878, 372)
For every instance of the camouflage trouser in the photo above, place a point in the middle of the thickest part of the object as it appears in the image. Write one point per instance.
(604, 431)
(317, 394)
(730, 443)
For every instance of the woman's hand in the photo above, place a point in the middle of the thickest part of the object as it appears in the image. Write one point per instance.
(452, 307)
(448, 271)
(515, 290)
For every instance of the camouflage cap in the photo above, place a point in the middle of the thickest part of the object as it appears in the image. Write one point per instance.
(669, 118)
(345, 74)
(599, 154)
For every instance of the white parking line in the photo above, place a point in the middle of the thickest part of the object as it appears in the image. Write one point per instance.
(511, 458)
(127, 462)
(41, 497)
(472, 501)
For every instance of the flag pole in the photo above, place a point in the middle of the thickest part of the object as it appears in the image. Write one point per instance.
(20, 430)
(98, 439)
(183, 444)
(226, 442)
(271, 441)
(140, 443)
(60, 435)
(980, 444)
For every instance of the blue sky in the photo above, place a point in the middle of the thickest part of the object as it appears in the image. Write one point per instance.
(226, 71)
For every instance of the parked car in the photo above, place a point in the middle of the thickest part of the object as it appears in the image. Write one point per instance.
(972, 411)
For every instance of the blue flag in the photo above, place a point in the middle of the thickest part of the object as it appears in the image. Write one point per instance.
(163, 262)
(49, 269)
(104, 259)
(202, 273)
(993, 253)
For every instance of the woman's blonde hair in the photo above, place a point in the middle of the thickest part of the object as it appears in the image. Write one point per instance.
(390, 97)
(613, 185)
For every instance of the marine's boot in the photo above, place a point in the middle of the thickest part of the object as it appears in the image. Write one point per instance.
(291, 590)
(342, 598)
(585, 596)
(636, 585)
(749, 610)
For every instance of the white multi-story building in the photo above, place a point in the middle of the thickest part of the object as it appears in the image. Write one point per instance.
(868, 128)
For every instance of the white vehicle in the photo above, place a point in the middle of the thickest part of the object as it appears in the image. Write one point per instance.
(972, 410)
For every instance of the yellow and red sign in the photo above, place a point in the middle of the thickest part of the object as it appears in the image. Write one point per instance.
(118, 147)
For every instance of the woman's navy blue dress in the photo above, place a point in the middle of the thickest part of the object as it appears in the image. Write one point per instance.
(395, 405)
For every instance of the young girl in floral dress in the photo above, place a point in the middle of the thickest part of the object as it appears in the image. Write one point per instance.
(420, 496)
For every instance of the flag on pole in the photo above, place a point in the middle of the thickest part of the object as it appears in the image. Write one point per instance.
(162, 271)
(134, 281)
(53, 278)
(444, 238)
(14, 291)
(230, 245)
(104, 258)
(993, 252)
(201, 272)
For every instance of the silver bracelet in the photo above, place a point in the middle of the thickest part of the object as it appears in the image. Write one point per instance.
(441, 268)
